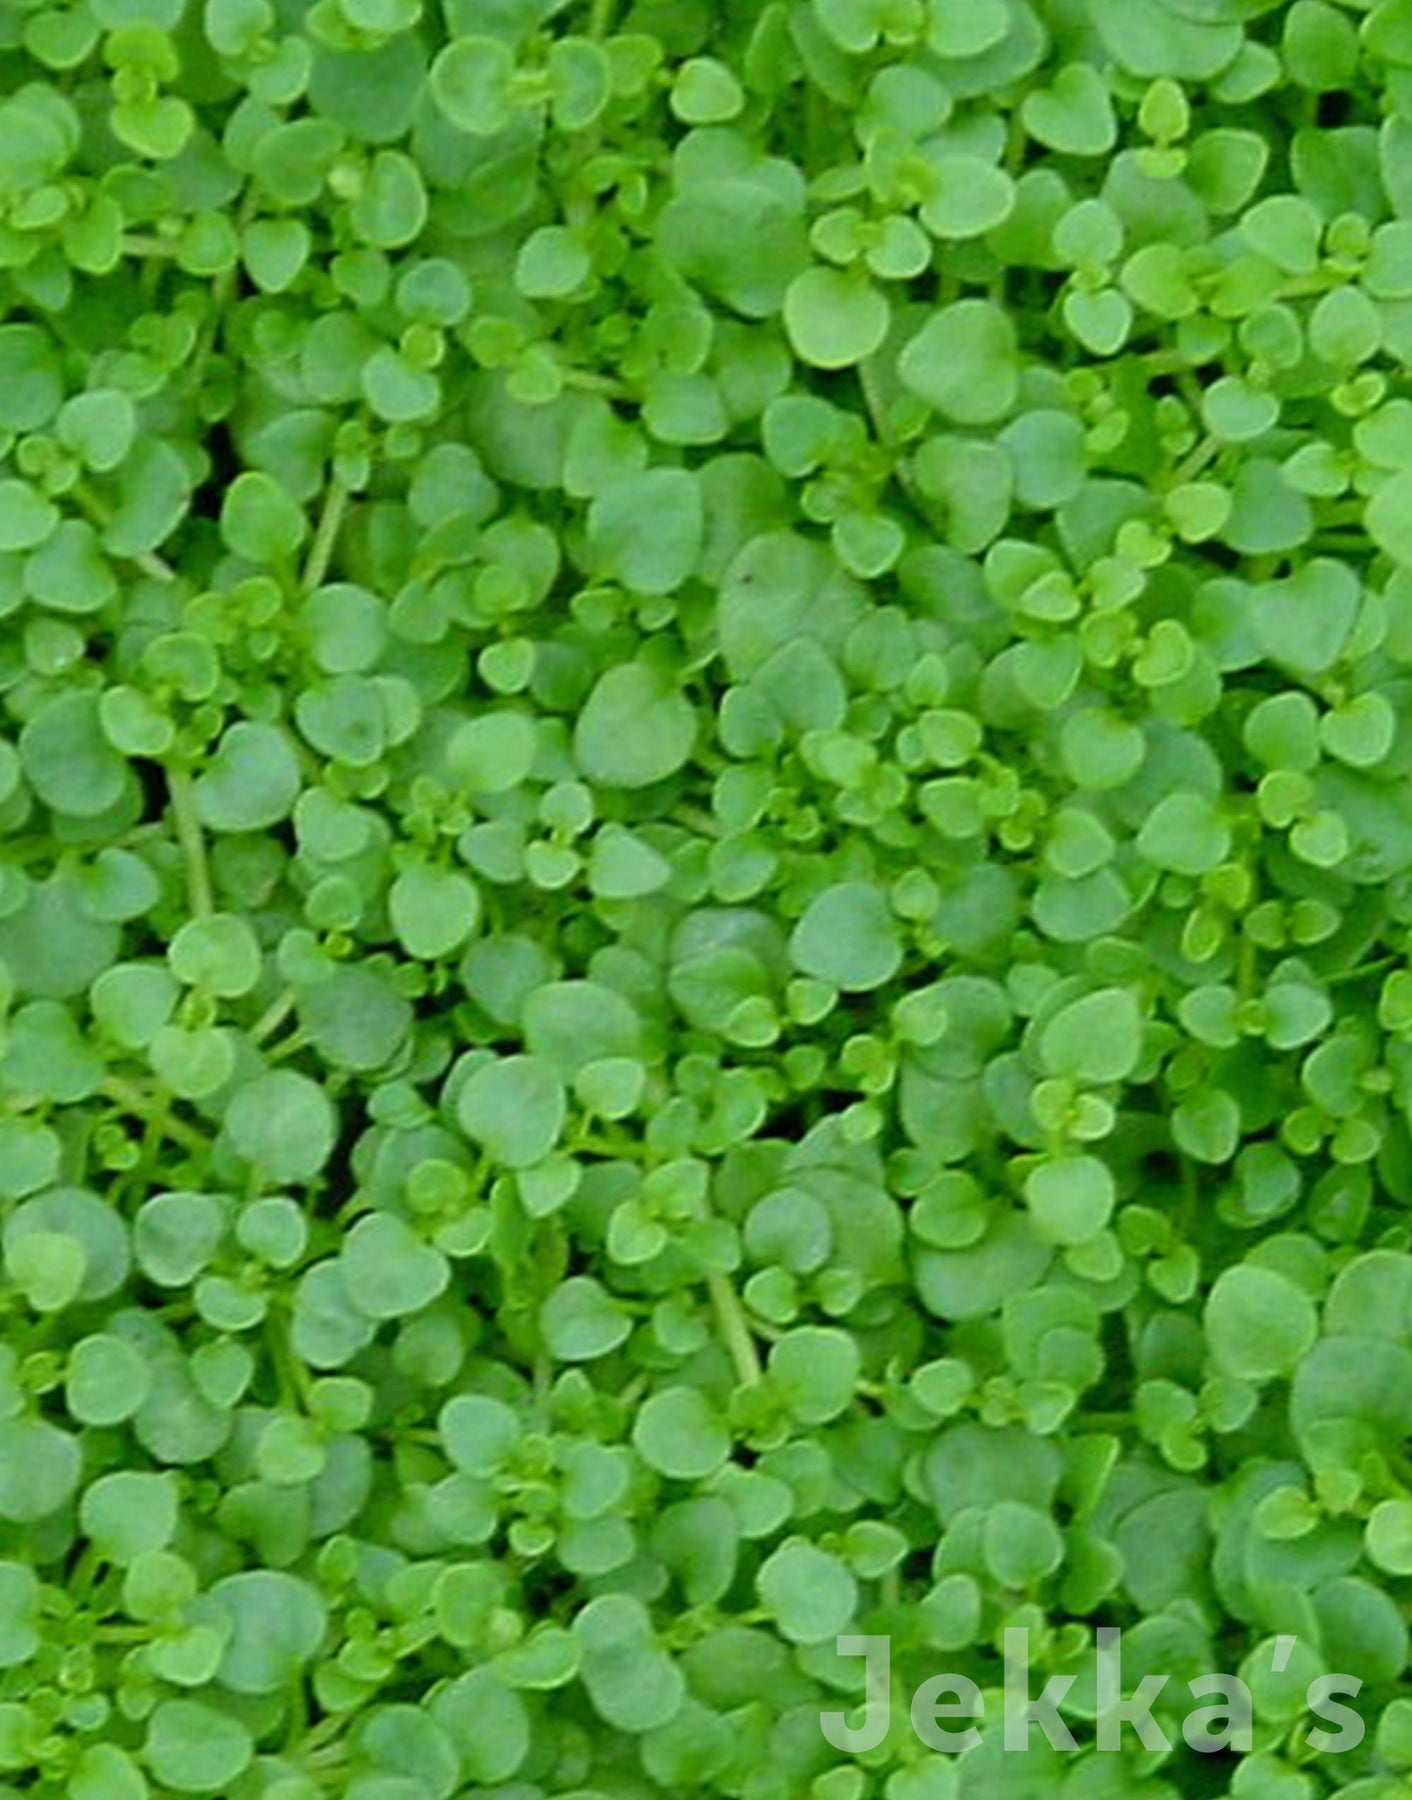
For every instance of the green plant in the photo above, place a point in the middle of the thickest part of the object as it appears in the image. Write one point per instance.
(706, 880)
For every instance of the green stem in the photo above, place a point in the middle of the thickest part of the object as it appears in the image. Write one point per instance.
(326, 536)
(1247, 971)
(1165, 362)
(632, 1391)
(355, 1204)
(102, 515)
(84, 1571)
(223, 292)
(735, 1328)
(137, 243)
(603, 1143)
(272, 1018)
(290, 1374)
(1200, 458)
(1340, 543)
(155, 1129)
(1016, 144)
(882, 430)
(1376, 967)
(298, 1715)
(323, 1732)
(192, 841)
(140, 1106)
(1189, 1206)
(589, 381)
(873, 401)
(698, 820)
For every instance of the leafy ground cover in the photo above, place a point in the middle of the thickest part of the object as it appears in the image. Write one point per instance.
(705, 892)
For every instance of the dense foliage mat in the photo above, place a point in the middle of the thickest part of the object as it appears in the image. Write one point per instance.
(707, 862)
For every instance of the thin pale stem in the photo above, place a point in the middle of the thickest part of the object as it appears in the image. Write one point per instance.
(1196, 461)
(589, 381)
(735, 1328)
(326, 536)
(102, 515)
(272, 1018)
(882, 429)
(137, 243)
(193, 843)
(223, 292)
(134, 1102)
(290, 1373)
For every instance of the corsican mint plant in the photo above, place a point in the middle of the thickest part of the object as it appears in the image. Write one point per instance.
(705, 886)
